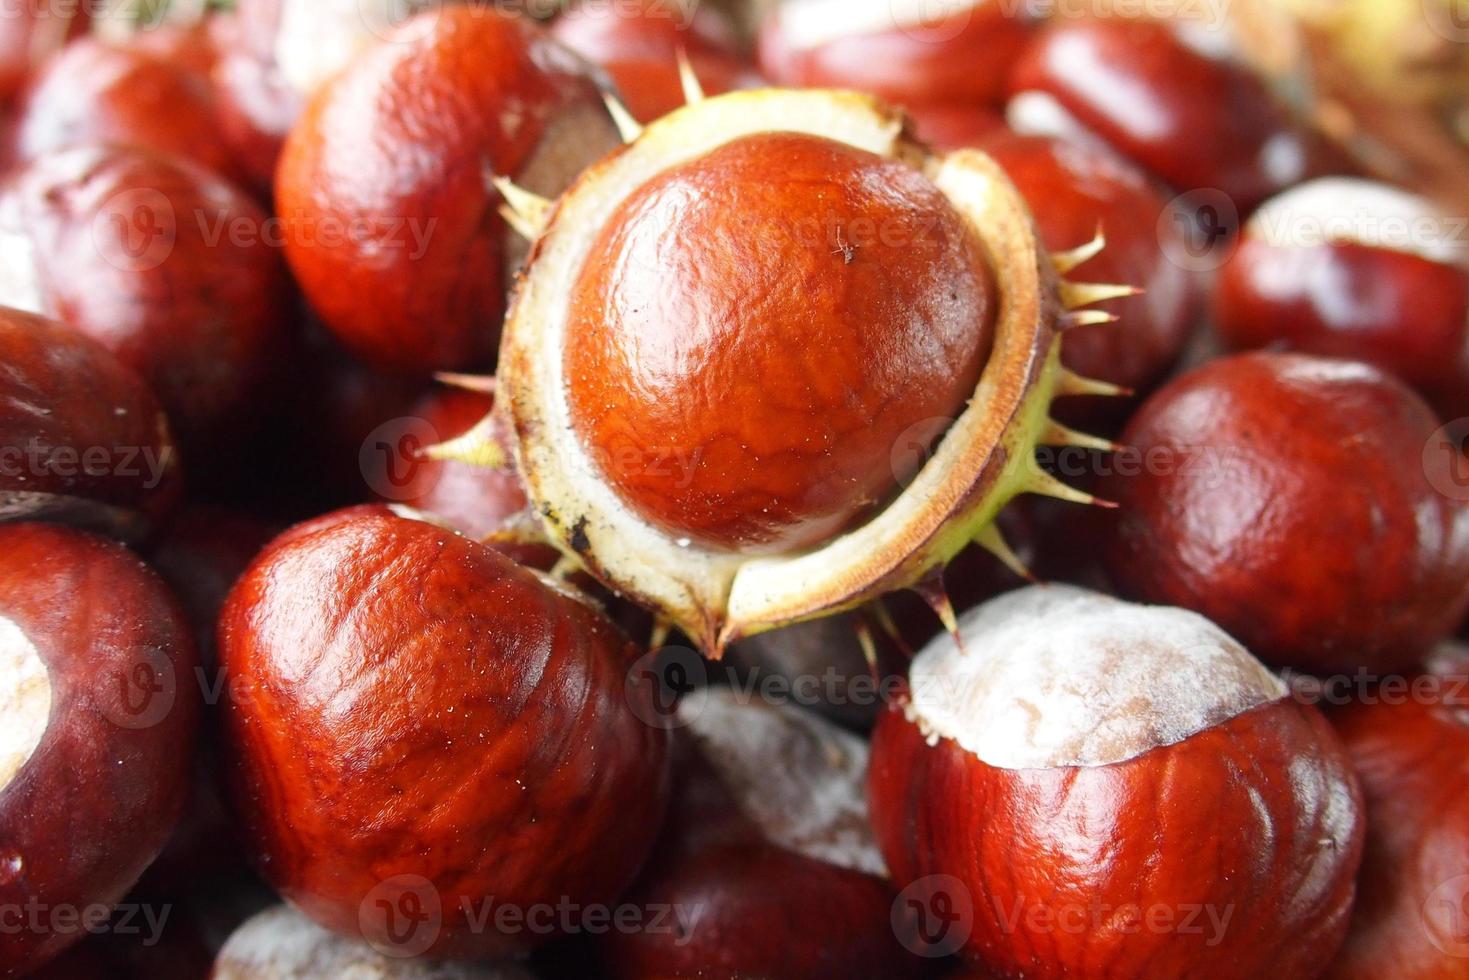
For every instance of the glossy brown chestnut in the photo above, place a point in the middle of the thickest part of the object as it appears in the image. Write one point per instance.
(1074, 190)
(100, 720)
(165, 264)
(423, 733)
(82, 440)
(282, 944)
(1099, 789)
(768, 862)
(98, 91)
(391, 223)
(1196, 120)
(638, 46)
(840, 280)
(905, 52)
(1410, 743)
(1353, 268)
(1289, 499)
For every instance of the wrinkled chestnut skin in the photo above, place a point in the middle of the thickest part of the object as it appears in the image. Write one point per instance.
(100, 92)
(166, 265)
(1413, 758)
(477, 500)
(962, 58)
(30, 33)
(754, 330)
(404, 701)
(1404, 313)
(638, 47)
(1290, 501)
(62, 393)
(763, 910)
(1237, 818)
(1072, 190)
(1195, 121)
(401, 143)
(93, 805)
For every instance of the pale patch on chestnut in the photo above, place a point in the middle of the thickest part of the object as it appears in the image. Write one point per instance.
(1042, 114)
(282, 944)
(25, 699)
(20, 276)
(1054, 675)
(812, 23)
(1351, 210)
(317, 38)
(800, 778)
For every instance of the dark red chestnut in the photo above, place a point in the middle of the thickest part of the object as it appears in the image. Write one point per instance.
(82, 439)
(98, 91)
(32, 32)
(953, 126)
(904, 51)
(1409, 740)
(1353, 268)
(99, 727)
(282, 944)
(1193, 118)
(1084, 787)
(1289, 498)
(1074, 190)
(768, 863)
(424, 733)
(383, 185)
(638, 46)
(167, 265)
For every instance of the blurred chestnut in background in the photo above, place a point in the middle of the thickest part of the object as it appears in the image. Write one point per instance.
(1409, 740)
(104, 92)
(165, 264)
(1198, 120)
(1353, 268)
(82, 439)
(953, 126)
(905, 51)
(32, 32)
(768, 862)
(100, 714)
(384, 183)
(282, 944)
(1083, 787)
(368, 653)
(1075, 191)
(638, 46)
(1291, 500)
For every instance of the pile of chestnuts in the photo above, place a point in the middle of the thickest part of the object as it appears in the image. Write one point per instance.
(743, 490)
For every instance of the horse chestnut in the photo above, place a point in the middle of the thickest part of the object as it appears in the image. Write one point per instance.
(165, 264)
(282, 944)
(1099, 788)
(768, 857)
(640, 46)
(900, 50)
(1353, 268)
(1194, 119)
(98, 91)
(423, 732)
(1412, 751)
(1289, 499)
(402, 253)
(82, 439)
(98, 735)
(31, 34)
